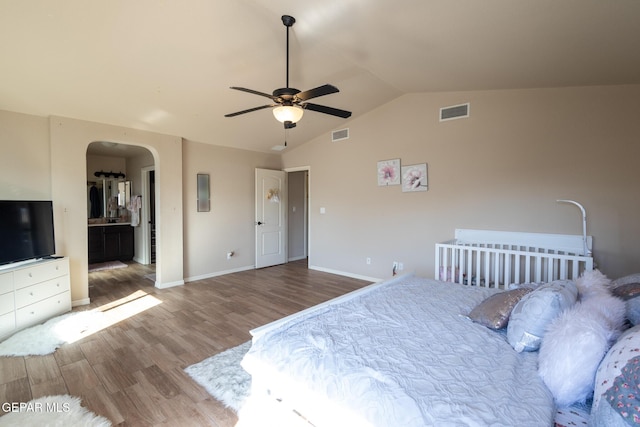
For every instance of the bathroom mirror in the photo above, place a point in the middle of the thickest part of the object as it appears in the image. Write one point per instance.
(204, 202)
(117, 195)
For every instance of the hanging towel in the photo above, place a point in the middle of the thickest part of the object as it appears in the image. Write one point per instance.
(134, 207)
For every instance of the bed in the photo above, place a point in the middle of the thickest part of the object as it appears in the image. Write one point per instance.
(401, 352)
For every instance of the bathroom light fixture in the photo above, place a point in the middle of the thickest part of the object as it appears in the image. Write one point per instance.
(110, 174)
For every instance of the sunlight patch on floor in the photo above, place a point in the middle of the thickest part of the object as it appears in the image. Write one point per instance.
(77, 328)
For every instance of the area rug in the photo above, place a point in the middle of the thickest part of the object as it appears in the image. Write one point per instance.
(46, 338)
(223, 377)
(110, 265)
(52, 411)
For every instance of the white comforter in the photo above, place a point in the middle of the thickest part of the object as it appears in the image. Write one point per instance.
(404, 354)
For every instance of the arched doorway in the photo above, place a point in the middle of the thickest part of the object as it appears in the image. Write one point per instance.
(120, 207)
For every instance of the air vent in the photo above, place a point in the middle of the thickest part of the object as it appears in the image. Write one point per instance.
(454, 112)
(339, 135)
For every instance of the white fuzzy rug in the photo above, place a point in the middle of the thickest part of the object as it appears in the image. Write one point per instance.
(52, 411)
(223, 377)
(46, 338)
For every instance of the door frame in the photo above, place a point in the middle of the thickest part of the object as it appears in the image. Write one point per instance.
(144, 216)
(307, 204)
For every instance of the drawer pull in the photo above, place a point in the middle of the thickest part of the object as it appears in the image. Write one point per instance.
(58, 284)
(31, 293)
(30, 274)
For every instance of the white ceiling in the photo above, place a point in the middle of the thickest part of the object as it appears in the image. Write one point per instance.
(167, 65)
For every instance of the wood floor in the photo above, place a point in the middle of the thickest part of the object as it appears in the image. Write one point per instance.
(132, 372)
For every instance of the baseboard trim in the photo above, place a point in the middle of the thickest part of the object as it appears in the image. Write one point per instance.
(219, 273)
(84, 301)
(346, 274)
(169, 284)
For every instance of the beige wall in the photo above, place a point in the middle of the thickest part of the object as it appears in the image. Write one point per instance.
(502, 169)
(69, 140)
(25, 166)
(229, 226)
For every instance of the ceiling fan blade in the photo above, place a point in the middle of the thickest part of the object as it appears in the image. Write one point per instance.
(255, 92)
(326, 110)
(316, 92)
(249, 110)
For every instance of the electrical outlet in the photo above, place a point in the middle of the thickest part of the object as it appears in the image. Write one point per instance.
(368, 260)
(230, 254)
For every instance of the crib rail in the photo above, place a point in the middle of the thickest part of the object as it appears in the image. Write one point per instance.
(499, 264)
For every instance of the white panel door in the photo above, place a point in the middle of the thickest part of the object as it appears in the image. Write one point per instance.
(271, 221)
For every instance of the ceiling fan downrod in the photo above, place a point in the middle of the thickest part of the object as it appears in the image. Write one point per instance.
(288, 22)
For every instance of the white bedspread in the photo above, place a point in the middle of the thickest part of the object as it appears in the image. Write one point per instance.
(404, 354)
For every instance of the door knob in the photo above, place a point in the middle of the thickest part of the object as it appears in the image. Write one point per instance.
(259, 223)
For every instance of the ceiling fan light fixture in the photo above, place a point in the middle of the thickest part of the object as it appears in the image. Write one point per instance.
(288, 113)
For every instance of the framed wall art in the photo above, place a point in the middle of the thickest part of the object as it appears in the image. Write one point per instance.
(414, 178)
(389, 172)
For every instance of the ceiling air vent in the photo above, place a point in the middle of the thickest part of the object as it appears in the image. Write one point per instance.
(339, 135)
(454, 112)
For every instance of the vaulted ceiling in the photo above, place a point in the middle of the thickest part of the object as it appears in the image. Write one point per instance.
(167, 65)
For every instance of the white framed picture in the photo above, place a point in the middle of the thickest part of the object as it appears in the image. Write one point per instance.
(389, 172)
(414, 178)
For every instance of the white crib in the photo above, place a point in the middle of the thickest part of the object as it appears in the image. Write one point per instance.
(500, 258)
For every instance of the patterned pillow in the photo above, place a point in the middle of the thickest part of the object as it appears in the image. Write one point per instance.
(531, 316)
(494, 311)
(625, 349)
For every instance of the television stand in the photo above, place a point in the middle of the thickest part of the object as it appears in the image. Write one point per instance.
(32, 293)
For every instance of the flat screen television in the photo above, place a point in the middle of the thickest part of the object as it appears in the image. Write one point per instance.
(26, 230)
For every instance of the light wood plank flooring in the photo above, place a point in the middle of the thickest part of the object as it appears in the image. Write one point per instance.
(132, 372)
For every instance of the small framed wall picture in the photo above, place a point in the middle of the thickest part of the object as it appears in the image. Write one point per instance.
(414, 178)
(389, 172)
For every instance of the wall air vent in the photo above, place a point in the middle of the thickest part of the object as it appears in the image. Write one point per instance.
(340, 135)
(454, 112)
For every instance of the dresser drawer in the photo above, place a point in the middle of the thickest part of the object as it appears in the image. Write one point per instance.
(45, 309)
(7, 324)
(6, 282)
(40, 272)
(7, 303)
(40, 291)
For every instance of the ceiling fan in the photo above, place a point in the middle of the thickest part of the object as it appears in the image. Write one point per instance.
(290, 103)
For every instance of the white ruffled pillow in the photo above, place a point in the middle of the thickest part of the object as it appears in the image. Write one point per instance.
(533, 313)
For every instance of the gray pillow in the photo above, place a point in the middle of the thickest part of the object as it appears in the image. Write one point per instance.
(533, 313)
(494, 311)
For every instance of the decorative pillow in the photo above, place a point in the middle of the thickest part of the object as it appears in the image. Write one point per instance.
(627, 291)
(494, 311)
(626, 348)
(632, 278)
(536, 310)
(618, 372)
(630, 292)
(576, 341)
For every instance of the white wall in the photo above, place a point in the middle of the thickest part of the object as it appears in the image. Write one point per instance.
(502, 169)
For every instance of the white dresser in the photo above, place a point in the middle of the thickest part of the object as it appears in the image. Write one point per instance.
(32, 293)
